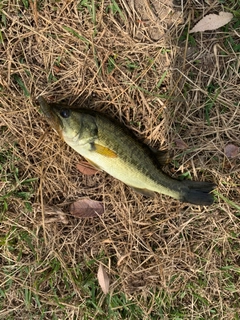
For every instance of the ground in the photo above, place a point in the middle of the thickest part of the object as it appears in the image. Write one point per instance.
(137, 62)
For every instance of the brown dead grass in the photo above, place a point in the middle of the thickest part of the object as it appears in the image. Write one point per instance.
(161, 253)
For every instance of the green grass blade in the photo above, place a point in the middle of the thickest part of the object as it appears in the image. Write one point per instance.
(21, 85)
(229, 202)
(76, 34)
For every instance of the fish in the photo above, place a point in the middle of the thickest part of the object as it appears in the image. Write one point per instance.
(111, 147)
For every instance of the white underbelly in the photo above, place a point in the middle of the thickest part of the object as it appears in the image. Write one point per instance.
(117, 168)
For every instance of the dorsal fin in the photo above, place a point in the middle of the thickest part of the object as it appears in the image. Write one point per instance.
(162, 156)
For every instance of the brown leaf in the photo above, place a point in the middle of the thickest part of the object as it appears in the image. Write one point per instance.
(86, 208)
(103, 279)
(181, 144)
(212, 22)
(86, 168)
(56, 69)
(231, 151)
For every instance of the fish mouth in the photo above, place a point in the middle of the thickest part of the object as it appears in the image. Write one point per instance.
(51, 115)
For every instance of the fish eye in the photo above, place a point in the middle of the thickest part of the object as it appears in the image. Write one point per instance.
(65, 113)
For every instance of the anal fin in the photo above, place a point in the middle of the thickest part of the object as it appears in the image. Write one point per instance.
(94, 165)
(144, 192)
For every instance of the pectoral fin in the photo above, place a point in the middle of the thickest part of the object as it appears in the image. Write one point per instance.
(104, 151)
(144, 192)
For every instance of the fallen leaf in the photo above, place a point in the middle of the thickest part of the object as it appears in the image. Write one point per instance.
(56, 69)
(181, 144)
(86, 168)
(86, 208)
(103, 279)
(231, 151)
(212, 22)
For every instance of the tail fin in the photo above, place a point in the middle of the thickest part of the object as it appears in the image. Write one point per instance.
(198, 192)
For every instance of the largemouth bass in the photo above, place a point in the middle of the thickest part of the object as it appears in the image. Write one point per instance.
(112, 148)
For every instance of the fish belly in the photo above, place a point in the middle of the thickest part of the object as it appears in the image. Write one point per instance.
(127, 172)
(117, 168)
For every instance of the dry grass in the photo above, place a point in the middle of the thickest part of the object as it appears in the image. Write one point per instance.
(166, 260)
